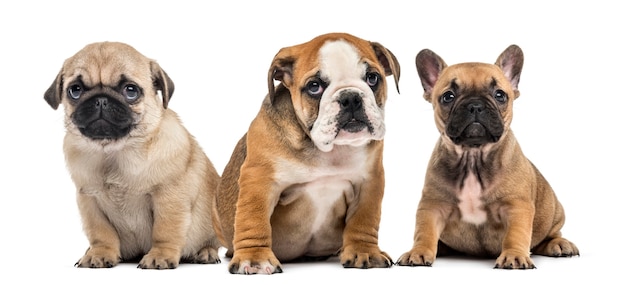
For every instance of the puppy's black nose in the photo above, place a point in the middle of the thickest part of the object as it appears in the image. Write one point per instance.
(475, 107)
(102, 103)
(350, 101)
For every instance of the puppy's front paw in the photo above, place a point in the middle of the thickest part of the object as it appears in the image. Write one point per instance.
(159, 258)
(254, 260)
(417, 256)
(510, 259)
(356, 256)
(99, 257)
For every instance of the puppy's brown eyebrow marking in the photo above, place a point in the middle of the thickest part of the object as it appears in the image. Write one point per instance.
(494, 83)
(79, 80)
(453, 85)
(123, 80)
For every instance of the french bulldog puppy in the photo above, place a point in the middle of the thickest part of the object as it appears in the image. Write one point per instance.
(481, 195)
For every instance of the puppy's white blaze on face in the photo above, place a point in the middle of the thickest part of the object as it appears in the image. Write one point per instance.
(342, 68)
(470, 204)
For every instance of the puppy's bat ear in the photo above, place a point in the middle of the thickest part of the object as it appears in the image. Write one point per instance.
(388, 61)
(429, 66)
(281, 70)
(162, 82)
(511, 61)
(54, 94)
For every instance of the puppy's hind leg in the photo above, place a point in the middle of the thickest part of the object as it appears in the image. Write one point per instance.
(556, 247)
(206, 255)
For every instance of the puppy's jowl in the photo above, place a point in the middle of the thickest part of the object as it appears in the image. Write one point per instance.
(143, 183)
(481, 195)
(307, 179)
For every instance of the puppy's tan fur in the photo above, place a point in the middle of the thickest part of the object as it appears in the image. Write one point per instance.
(265, 210)
(482, 198)
(149, 193)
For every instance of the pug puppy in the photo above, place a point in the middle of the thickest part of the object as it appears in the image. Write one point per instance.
(144, 186)
(481, 195)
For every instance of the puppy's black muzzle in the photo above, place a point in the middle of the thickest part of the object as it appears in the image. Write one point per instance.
(102, 117)
(475, 122)
(352, 117)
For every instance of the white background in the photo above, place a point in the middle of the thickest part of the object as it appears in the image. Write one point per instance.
(568, 118)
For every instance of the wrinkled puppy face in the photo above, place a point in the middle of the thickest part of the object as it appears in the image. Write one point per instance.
(346, 87)
(473, 102)
(109, 92)
(338, 88)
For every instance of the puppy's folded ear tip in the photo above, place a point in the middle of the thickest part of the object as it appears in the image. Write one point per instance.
(53, 103)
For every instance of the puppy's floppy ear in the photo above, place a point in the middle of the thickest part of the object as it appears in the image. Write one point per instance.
(162, 81)
(389, 62)
(54, 94)
(511, 61)
(281, 69)
(429, 65)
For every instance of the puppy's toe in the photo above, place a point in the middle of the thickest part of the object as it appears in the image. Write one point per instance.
(557, 247)
(98, 258)
(159, 259)
(514, 260)
(254, 261)
(417, 257)
(207, 255)
(364, 257)
(247, 267)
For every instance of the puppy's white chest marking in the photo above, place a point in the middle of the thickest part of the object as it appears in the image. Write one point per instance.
(337, 176)
(324, 194)
(470, 203)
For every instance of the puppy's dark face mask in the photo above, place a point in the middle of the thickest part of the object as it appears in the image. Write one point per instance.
(104, 112)
(110, 92)
(473, 113)
(473, 101)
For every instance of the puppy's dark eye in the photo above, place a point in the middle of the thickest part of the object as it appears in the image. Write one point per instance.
(75, 91)
(372, 79)
(315, 88)
(447, 97)
(131, 91)
(500, 96)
